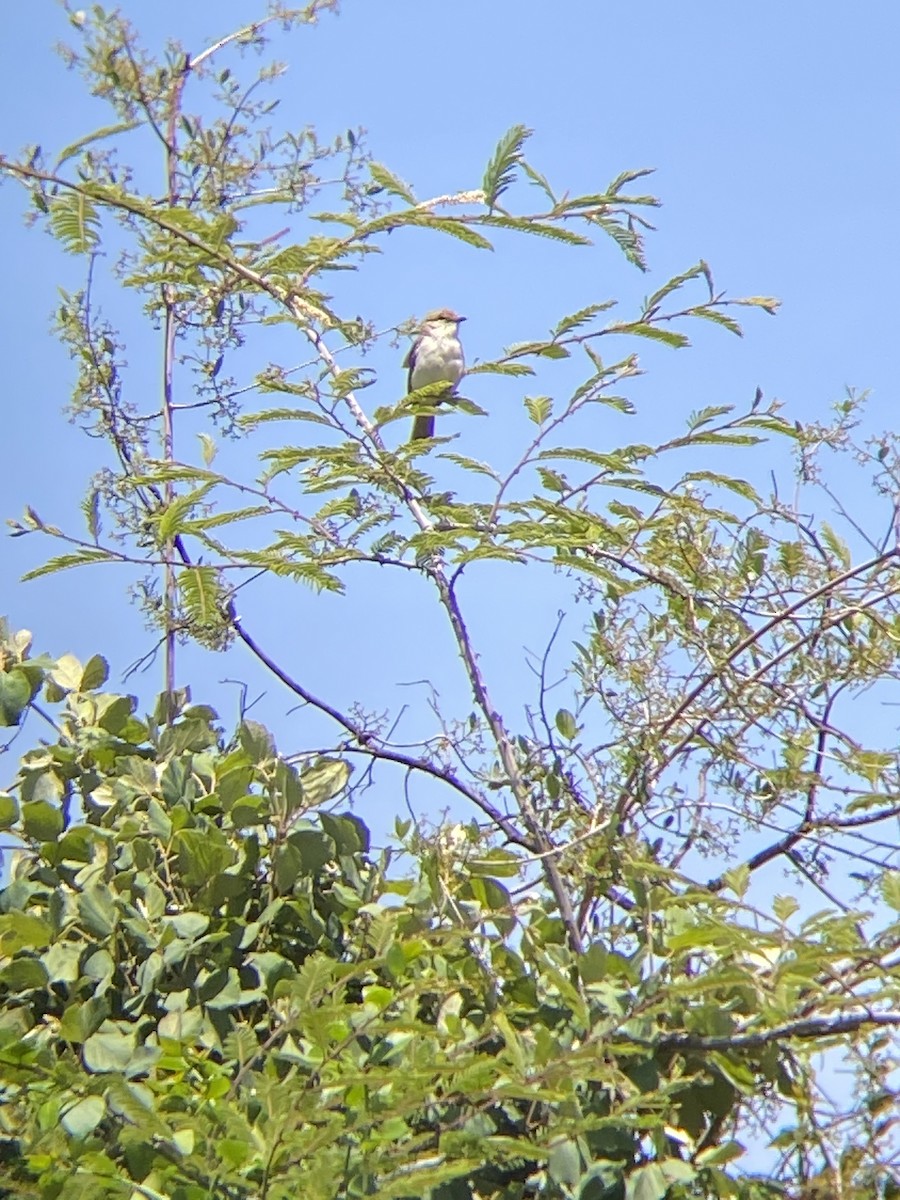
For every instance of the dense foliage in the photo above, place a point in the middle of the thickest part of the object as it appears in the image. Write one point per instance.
(212, 984)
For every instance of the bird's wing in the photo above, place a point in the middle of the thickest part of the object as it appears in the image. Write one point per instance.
(410, 363)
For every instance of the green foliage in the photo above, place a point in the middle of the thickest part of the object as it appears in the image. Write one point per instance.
(211, 983)
(74, 222)
(501, 170)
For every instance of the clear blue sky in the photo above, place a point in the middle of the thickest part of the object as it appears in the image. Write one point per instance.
(772, 127)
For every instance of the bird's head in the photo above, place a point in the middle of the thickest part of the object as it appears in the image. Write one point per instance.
(441, 320)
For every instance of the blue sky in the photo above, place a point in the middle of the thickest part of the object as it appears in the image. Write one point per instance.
(772, 131)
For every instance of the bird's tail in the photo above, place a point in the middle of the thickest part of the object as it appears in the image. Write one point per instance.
(423, 427)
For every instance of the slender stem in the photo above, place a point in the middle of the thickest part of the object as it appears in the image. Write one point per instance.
(373, 745)
(817, 1027)
(507, 755)
(170, 326)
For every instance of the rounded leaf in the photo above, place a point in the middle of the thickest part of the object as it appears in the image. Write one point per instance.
(15, 692)
(84, 1117)
(566, 724)
(42, 820)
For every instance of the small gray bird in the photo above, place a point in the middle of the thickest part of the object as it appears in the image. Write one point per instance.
(436, 356)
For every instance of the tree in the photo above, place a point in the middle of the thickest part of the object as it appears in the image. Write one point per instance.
(213, 984)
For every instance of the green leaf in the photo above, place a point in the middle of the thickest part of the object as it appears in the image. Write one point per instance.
(631, 176)
(784, 907)
(208, 448)
(183, 1141)
(74, 222)
(95, 674)
(392, 183)
(646, 1183)
(725, 1152)
(113, 712)
(201, 525)
(41, 820)
(675, 284)
(172, 518)
(201, 857)
(349, 833)
(62, 562)
(204, 600)
(251, 420)
(256, 741)
(84, 1116)
(539, 181)
(836, 545)
(890, 889)
(738, 1074)
(740, 487)
(501, 170)
(98, 135)
(473, 465)
(222, 990)
(15, 692)
(97, 909)
(582, 317)
(500, 367)
(67, 673)
(566, 724)
(24, 975)
(19, 930)
(324, 781)
(668, 337)
(769, 304)
(9, 810)
(539, 408)
(557, 233)
(678, 1171)
(420, 218)
(564, 1164)
(706, 415)
(626, 237)
(90, 506)
(110, 1049)
(708, 313)
(311, 850)
(79, 1021)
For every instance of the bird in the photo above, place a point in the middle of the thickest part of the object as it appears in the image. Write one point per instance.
(436, 356)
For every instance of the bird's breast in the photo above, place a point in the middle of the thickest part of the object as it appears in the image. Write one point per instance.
(437, 360)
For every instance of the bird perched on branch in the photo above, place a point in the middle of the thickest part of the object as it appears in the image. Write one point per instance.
(436, 356)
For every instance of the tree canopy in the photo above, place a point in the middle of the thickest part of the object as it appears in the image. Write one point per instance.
(667, 918)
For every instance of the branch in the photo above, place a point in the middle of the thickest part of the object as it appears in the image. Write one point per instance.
(369, 744)
(817, 1027)
(804, 830)
(778, 618)
(250, 31)
(745, 644)
(544, 846)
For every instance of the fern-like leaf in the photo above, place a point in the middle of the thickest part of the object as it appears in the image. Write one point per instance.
(500, 368)
(501, 170)
(391, 183)
(74, 222)
(426, 220)
(203, 600)
(676, 282)
(582, 317)
(62, 562)
(668, 337)
(98, 135)
(539, 228)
